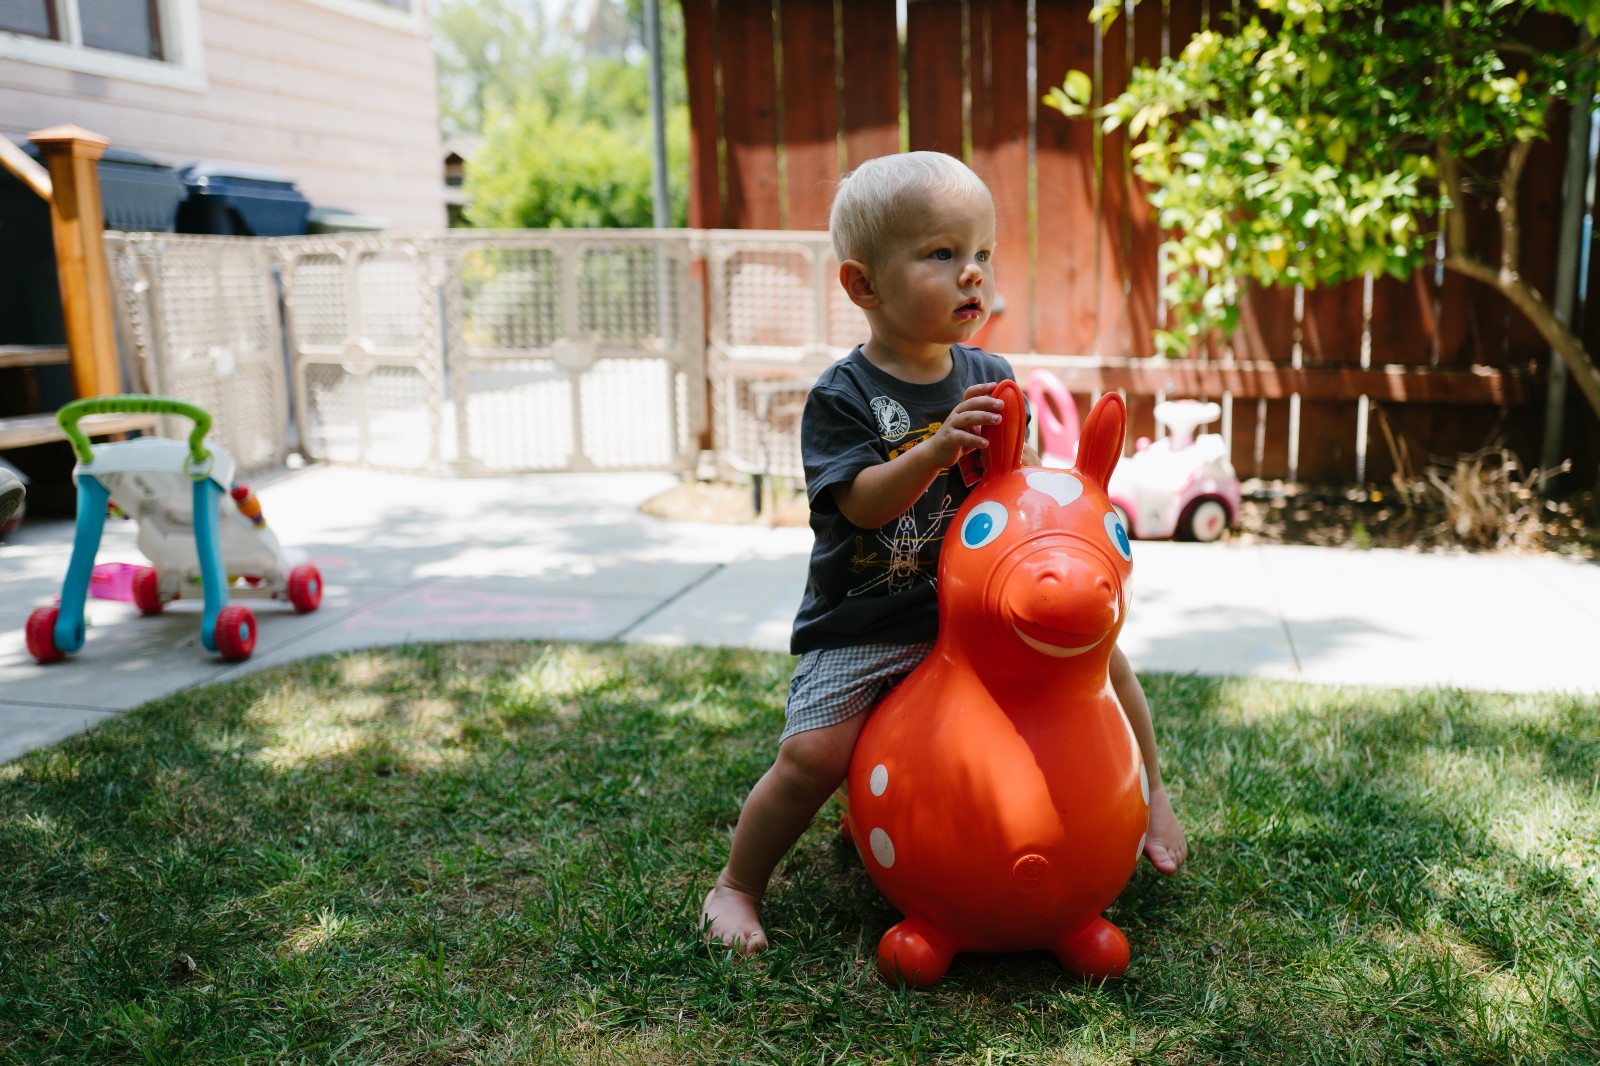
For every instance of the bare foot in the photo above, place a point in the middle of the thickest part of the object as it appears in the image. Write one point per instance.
(729, 918)
(1165, 844)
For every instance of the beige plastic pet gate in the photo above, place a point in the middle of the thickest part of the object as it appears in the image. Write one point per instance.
(364, 332)
(778, 318)
(498, 352)
(575, 350)
(199, 316)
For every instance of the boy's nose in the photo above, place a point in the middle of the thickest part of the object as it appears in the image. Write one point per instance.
(972, 274)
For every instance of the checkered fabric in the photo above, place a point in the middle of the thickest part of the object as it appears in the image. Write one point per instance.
(831, 685)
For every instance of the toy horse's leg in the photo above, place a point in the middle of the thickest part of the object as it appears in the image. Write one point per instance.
(914, 952)
(1096, 951)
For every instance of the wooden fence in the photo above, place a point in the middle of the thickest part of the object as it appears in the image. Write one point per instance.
(786, 94)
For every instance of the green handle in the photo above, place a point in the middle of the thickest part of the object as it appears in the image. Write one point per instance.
(134, 405)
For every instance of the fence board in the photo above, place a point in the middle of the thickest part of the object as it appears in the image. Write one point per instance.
(810, 113)
(935, 76)
(1115, 238)
(1083, 279)
(1065, 319)
(999, 63)
(1144, 235)
(869, 42)
(700, 63)
(745, 55)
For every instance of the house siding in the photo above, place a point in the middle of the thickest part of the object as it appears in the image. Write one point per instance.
(343, 106)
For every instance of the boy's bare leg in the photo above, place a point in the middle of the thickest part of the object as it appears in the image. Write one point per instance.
(809, 767)
(1165, 843)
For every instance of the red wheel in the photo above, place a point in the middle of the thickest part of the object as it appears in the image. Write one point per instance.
(236, 633)
(41, 633)
(147, 590)
(305, 588)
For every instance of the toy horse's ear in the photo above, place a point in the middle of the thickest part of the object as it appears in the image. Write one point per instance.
(1100, 446)
(1006, 438)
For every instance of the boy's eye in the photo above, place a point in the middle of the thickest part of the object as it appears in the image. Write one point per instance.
(983, 257)
(943, 253)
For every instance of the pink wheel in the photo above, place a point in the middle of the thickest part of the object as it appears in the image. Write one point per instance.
(41, 632)
(305, 588)
(236, 633)
(147, 590)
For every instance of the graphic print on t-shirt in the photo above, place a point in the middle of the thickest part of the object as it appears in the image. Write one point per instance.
(904, 552)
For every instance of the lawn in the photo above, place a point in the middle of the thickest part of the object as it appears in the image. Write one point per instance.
(495, 853)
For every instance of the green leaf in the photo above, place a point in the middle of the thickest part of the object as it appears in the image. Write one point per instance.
(1078, 87)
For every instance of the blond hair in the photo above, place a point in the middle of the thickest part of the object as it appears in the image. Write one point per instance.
(876, 202)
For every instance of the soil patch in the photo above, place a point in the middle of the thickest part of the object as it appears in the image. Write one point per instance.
(1272, 513)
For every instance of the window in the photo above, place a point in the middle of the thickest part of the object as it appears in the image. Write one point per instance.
(156, 42)
(131, 27)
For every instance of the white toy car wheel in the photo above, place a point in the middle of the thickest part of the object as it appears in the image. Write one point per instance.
(1205, 520)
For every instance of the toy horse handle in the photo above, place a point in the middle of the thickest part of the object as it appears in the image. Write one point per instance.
(1006, 438)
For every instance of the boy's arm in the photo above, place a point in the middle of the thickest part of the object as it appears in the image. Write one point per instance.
(881, 493)
(1166, 845)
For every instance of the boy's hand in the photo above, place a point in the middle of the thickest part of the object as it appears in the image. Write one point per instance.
(958, 435)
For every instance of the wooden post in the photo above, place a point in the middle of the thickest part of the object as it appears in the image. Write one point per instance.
(77, 220)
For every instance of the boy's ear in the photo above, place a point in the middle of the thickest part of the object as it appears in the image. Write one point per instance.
(853, 276)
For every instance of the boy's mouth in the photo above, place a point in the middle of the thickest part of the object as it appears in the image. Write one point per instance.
(971, 309)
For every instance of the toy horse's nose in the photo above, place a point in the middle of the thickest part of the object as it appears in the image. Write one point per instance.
(1064, 596)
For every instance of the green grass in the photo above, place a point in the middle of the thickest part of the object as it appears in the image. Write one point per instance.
(495, 854)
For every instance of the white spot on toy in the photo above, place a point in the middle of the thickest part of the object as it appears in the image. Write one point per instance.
(1062, 488)
(1144, 784)
(879, 780)
(1140, 850)
(883, 848)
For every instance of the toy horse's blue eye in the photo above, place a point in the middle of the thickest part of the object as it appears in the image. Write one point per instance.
(1118, 535)
(986, 522)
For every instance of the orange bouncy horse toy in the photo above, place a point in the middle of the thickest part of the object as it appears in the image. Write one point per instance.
(998, 795)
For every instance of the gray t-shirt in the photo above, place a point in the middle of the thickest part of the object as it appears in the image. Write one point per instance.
(871, 586)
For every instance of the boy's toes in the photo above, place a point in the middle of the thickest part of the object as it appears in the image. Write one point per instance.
(1162, 857)
(729, 918)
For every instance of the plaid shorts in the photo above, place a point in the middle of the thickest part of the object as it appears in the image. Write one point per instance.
(831, 685)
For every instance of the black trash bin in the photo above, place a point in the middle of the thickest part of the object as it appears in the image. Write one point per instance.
(136, 193)
(238, 200)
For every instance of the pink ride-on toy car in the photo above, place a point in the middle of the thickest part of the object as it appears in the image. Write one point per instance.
(1181, 486)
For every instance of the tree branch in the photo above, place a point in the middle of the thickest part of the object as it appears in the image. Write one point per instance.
(1523, 297)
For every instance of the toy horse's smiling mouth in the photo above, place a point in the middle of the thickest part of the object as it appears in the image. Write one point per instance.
(1055, 651)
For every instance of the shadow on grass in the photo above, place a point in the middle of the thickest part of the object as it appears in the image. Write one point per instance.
(496, 852)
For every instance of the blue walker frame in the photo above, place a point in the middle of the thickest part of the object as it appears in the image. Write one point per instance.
(91, 521)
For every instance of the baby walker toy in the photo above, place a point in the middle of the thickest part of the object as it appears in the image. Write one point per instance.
(1180, 486)
(195, 525)
(998, 795)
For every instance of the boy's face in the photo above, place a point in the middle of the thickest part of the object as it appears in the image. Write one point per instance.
(935, 283)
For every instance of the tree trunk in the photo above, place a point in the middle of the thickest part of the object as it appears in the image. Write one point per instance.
(1563, 341)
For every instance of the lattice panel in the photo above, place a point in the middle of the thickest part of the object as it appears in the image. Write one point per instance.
(518, 415)
(747, 441)
(629, 296)
(330, 413)
(402, 424)
(770, 299)
(627, 407)
(321, 318)
(847, 323)
(202, 313)
(511, 298)
(392, 295)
